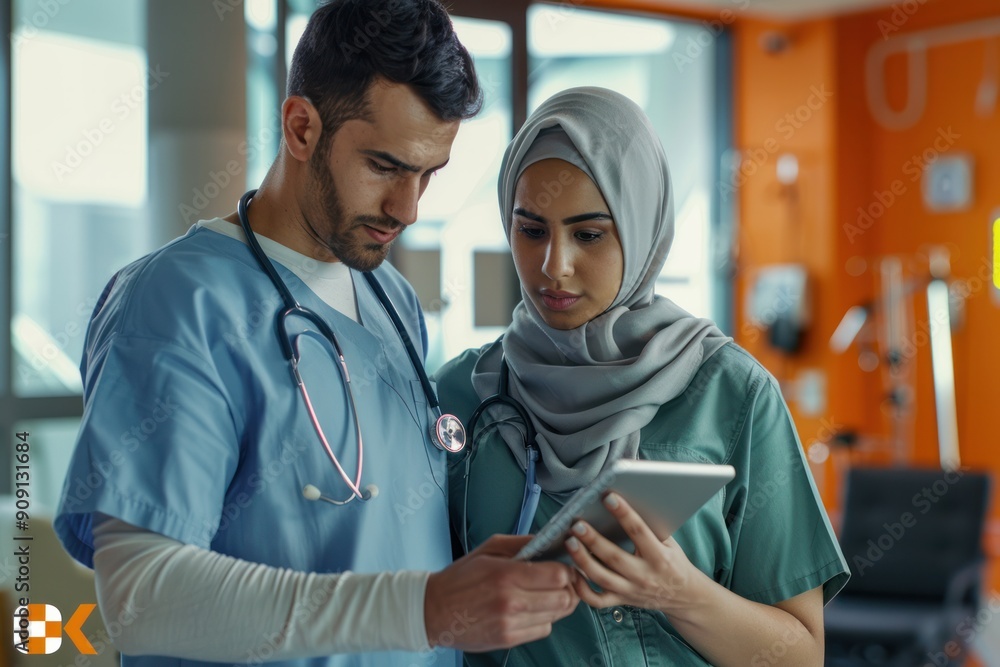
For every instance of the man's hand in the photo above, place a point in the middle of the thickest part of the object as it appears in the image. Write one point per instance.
(486, 601)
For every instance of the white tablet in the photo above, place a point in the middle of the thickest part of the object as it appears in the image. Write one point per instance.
(664, 493)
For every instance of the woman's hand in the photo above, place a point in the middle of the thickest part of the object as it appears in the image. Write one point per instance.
(658, 576)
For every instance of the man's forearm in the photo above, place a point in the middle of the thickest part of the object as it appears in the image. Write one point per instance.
(184, 601)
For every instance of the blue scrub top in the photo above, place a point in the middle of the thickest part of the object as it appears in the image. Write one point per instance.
(193, 427)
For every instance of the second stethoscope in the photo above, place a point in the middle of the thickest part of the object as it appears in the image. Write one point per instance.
(447, 432)
(532, 490)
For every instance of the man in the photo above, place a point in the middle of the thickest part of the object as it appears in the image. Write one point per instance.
(196, 445)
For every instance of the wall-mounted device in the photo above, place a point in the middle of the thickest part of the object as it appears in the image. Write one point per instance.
(778, 302)
(948, 183)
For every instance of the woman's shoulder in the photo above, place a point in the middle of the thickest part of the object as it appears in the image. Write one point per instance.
(454, 383)
(460, 366)
(730, 370)
(712, 408)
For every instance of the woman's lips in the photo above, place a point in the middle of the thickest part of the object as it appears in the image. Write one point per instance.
(559, 300)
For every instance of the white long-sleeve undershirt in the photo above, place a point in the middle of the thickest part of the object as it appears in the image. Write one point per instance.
(180, 600)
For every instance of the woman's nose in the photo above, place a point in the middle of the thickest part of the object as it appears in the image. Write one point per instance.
(558, 260)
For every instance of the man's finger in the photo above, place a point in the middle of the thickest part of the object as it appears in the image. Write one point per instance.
(503, 545)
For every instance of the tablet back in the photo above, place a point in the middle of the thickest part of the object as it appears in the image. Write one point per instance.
(664, 493)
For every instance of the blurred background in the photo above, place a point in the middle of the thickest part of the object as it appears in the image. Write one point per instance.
(836, 169)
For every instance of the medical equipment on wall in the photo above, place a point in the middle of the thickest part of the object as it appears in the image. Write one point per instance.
(532, 490)
(778, 302)
(887, 324)
(916, 45)
(447, 432)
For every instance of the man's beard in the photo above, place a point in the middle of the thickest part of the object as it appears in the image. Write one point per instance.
(340, 236)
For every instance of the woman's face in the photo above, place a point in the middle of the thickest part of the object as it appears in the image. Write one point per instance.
(565, 244)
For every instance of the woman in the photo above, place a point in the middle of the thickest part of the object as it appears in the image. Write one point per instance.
(604, 370)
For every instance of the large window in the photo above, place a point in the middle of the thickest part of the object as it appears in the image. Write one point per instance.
(635, 56)
(460, 228)
(79, 177)
(79, 84)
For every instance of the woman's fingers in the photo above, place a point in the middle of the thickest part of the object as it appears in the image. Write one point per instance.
(649, 578)
(638, 530)
(611, 569)
(593, 598)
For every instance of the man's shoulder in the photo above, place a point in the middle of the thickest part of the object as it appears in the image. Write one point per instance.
(175, 284)
(395, 285)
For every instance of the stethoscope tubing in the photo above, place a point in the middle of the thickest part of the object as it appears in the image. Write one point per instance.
(447, 424)
(532, 490)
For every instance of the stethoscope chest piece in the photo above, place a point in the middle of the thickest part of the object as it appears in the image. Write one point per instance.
(448, 434)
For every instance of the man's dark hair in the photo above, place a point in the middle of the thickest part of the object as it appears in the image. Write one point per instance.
(347, 44)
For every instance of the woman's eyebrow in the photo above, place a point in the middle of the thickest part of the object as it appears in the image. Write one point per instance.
(581, 217)
(529, 215)
(596, 215)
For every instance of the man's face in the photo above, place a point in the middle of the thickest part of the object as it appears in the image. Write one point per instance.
(363, 190)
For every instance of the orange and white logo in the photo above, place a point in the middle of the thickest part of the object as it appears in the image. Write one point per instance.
(38, 629)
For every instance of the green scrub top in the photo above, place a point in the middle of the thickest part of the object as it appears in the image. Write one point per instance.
(765, 535)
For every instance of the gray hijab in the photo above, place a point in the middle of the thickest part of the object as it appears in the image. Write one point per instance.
(588, 391)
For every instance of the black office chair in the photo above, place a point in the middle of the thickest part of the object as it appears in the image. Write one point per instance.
(913, 539)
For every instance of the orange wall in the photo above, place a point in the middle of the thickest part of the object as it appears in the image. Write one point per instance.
(846, 161)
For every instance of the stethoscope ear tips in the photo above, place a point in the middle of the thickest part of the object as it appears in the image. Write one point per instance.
(310, 492)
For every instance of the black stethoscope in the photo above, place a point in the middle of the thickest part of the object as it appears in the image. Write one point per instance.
(447, 432)
(532, 490)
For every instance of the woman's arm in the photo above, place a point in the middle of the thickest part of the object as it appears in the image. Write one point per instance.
(725, 628)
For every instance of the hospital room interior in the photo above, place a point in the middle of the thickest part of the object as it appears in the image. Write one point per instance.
(835, 169)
